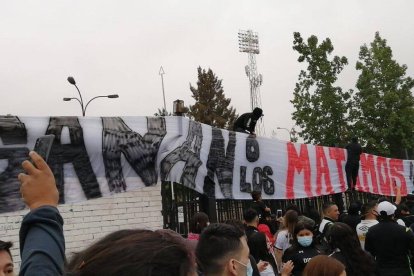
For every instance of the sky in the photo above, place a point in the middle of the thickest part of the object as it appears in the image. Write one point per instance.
(118, 47)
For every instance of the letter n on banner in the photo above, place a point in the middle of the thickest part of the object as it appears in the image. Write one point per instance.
(298, 163)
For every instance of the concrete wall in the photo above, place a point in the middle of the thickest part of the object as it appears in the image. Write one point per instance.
(88, 221)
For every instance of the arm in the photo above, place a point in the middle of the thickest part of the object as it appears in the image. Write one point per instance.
(397, 194)
(42, 245)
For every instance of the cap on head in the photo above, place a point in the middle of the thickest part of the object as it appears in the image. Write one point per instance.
(386, 208)
(258, 112)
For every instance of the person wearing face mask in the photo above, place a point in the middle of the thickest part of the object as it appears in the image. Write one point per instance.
(303, 248)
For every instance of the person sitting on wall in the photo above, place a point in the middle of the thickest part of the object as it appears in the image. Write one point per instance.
(246, 123)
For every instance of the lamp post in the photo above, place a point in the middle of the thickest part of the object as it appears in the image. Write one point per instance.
(291, 131)
(72, 81)
(161, 73)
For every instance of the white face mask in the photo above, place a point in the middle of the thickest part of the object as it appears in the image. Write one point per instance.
(249, 268)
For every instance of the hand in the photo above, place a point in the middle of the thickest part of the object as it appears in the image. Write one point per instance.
(261, 265)
(287, 268)
(252, 135)
(38, 186)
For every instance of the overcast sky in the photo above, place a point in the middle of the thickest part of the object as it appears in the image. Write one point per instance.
(118, 47)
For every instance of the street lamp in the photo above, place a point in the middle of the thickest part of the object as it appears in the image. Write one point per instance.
(72, 81)
(291, 131)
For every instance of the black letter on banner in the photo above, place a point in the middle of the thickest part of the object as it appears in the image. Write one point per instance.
(268, 183)
(12, 132)
(244, 186)
(189, 152)
(139, 151)
(221, 163)
(252, 150)
(257, 179)
(74, 153)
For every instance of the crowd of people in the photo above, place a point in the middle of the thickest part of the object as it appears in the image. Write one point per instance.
(374, 238)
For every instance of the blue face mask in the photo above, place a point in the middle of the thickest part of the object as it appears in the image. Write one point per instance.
(249, 268)
(305, 241)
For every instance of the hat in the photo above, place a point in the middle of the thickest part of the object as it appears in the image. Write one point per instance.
(387, 208)
(258, 112)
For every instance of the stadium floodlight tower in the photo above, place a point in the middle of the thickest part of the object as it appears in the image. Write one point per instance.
(249, 43)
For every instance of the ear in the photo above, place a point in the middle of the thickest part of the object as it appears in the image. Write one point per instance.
(231, 267)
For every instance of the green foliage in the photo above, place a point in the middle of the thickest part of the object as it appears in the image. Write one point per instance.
(162, 112)
(321, 108)
(211, 106)
(383, 106)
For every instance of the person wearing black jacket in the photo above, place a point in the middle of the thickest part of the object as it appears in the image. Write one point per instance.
(303, 248)
(354, 150)
(246, 123)
(390, 243)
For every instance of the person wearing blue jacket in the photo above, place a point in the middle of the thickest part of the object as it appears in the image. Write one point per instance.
(42, 244)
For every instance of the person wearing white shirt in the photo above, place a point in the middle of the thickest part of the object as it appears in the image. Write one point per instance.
(370, 219)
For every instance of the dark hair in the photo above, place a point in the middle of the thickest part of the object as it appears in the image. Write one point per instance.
(366, 207)
(135, 252)
(6, 247)
(217, 241)
(257, 112)
(256, 195)
(294, 208)
(291, 219)
(354, 139)
(354, 208)
(358, 262)
(323, 265)
(198, 222)
(250, 215)
(299, 227)
(327, 205)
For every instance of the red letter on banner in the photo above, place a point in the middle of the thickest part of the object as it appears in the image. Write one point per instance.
(368, 167)
(396, 171)
(338, 155)
(383, 175)
(298, 163)
(322, 171)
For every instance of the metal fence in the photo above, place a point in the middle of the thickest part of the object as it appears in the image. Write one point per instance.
(181, 203)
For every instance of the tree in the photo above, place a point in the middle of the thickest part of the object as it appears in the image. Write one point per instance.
(321, 109)
(211, 106)
(383, 105)
(162, 112)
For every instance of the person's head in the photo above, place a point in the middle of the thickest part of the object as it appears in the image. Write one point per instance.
(290, 220)
(222, 250)
(303, 234)
(344, 238)
(354, 139)
(402, 210)
(198, 222)
(6, 260)
(386, 210)
(331, 211)
(251, 217)
(341, 236)
(323, 265)
(368, 210)
(354, 208)
(136, 252)
(294, 208)
(257, 112)
(256, 195)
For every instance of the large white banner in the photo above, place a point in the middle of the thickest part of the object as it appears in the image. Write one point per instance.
(93, 157)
